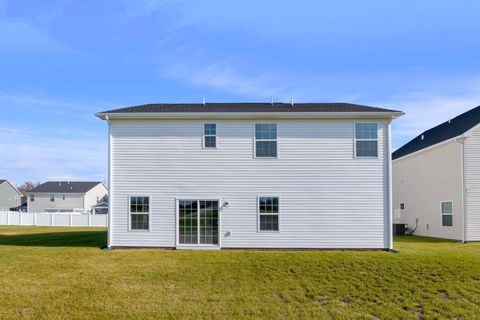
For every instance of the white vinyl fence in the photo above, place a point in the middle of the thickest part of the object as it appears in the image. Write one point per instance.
(53, 219)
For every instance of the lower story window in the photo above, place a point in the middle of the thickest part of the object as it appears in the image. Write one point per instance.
(447, 214)
(268, 209)
(139, 213)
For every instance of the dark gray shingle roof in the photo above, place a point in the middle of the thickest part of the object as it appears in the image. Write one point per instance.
(250, 107)
(2, 181)
(447, 130)
(65, 186)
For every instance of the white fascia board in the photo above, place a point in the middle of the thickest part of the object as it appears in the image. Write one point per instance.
(470, 131)
(249, 115)
(454, 139)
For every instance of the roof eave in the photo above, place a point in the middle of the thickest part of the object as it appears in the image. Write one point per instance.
(250, 115)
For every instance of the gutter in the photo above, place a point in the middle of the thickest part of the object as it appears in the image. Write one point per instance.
(390, 186)
(248, 115)
(110, 189)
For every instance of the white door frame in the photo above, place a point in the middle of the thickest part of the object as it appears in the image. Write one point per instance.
(198, 245)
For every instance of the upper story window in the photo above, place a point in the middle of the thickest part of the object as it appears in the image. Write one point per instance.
(266, 140)
(402, 205)
(210, 135)
(16, 198)
(268, 210)
(139, 213)
(63, 197)
(52, 198)
(32, 197)
(366, 139)
(447, 214)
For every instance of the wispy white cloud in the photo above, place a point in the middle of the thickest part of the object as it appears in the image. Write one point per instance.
(45, 138)
(33, 154)
(39, 104)
(222, 76)
(424, 110)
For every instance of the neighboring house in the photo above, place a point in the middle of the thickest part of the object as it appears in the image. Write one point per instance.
(436, 180)
(66, 196)
(100, 208)
(250, 175)
(10, 197)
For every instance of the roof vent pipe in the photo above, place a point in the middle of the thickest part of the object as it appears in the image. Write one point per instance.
(204, 102)
(449, 120)
(422, 137)
(59, 183)
(291, 101)
(271, 100)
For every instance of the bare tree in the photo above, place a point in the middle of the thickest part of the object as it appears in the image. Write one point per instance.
(27, 186)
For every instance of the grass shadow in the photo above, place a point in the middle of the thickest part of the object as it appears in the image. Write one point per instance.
(96, 239)
(420, 239)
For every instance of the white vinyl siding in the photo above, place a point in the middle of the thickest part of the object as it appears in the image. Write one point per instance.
(328, 199)
(424, 180)
(42, 202)
(472, 184)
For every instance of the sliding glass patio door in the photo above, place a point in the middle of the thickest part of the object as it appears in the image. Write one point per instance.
(198, 222)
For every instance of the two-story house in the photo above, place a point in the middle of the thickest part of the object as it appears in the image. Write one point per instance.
(436, 180)
(10, 197)
(66, 196)
(250, 175)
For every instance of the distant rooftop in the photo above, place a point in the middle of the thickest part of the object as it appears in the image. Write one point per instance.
(2, 181)
(248, 107)
(447, 130)
(65, 186)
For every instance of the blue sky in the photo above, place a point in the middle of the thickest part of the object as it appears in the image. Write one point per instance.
(62, 61)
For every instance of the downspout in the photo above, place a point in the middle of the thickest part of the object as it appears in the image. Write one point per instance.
(390, 195)
(464, 189)
(109, 233)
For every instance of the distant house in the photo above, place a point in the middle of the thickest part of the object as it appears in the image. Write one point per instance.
(250, 175)
(100, 208)
(10, 197)
(66, 196)
(436, 180)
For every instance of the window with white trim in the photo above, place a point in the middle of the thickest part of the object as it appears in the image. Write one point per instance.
(366, 139)
(447, 214)
(268, 210)
(32, 198)
(63, 197)
(139, 213)
(402, 205)
(266, 140)
(52, 198)
(210, 135)
(16, 198)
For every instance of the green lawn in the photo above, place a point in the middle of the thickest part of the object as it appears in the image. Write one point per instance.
(54, 273)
